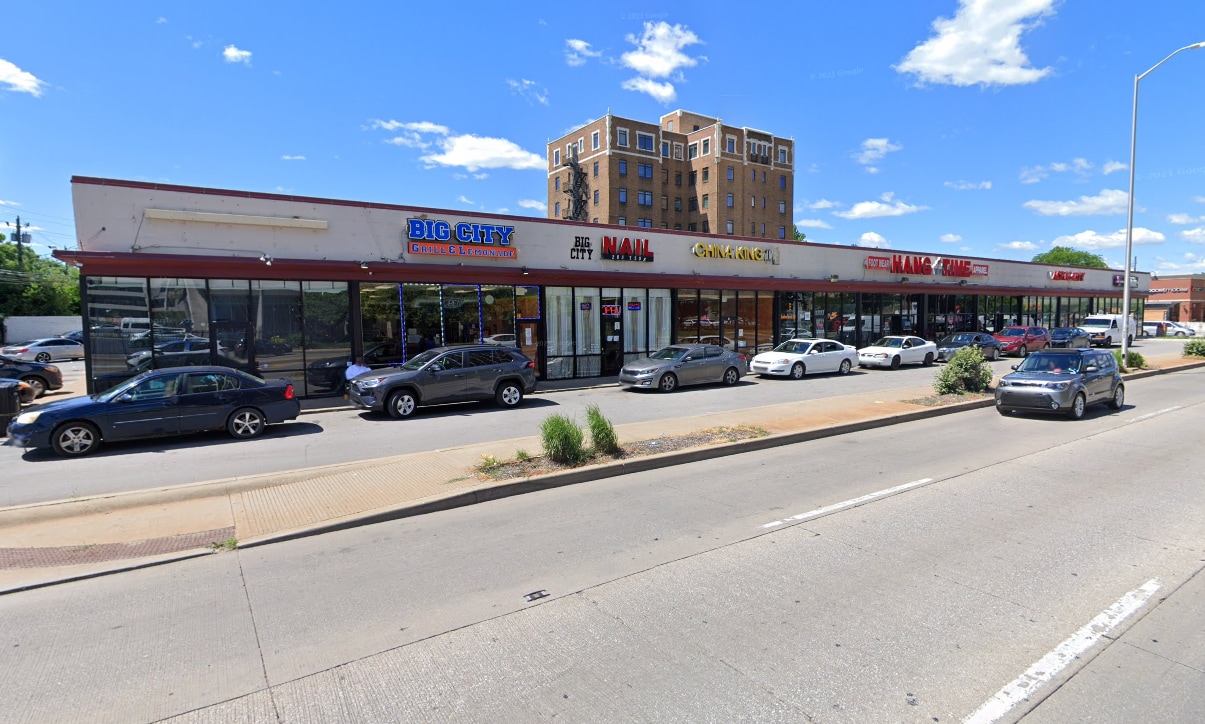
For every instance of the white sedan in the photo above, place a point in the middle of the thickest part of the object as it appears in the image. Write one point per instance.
(45, 350)
(799, 357)
(895, 351)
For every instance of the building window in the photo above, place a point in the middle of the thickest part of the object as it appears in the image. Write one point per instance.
(622, 221)
(677, 203)
(569, 151)
(594, 140)
(670, 126)
(623, 167)
(556, 183)
(752, 228)
(678, 151)
(556, 157)
(623, 196)
(705, 204)
(730, 142)
(664, 224)
(665, 149)
(644, 141)
(556, 210)
(782, 207)
(706, 226)
(665, 175)
(763, 202)
(728, 226)
(595, 219)
(677, 178)
(730, 176)
(763, 176)
(753, 202)
(644, 170)
(731, 201)
(692, 204)
(782, 155)
(665, 203)
(645, 223)
(763, 229)
(692, 151)
(706, 174)
(694, 176)
(644, 198)
(782, 182)
(754, 176)
(677, 227)
(596, 169)
(782, 232)
(692, 227)
(706, 146)
(621, 137)
(596, 197)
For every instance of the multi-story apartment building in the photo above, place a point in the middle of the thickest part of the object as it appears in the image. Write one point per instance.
(689, 172)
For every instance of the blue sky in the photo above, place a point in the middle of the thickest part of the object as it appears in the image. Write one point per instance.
(993, 128)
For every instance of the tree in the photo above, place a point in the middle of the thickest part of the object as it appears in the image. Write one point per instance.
(1066, 256)
(44, 287)
(798, 235)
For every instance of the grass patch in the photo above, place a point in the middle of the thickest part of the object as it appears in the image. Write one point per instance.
(562, 440)
(225, 545)
(602, 432)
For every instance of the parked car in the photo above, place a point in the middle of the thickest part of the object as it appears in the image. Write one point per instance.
(1167, 329)
(40, 377)
(1023, 340)
(796, 333)
(798, 357)
(329, 372)
(1106, 330)
(45, 350)
(76, 335)
(502, 340)
(188, 344)
(175, 401)
(893, 351)
(684, 364)
(1070, 338)
(1062, 382)
(446, 374)
(168, 360)
(948, 345)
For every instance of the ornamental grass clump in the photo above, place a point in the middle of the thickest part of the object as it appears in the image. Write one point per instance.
(602, 432)
(1194, 348)
(1133, 360)
(966, 372)
(562, 440)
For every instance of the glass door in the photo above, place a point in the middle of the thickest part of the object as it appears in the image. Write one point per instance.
(611, 309)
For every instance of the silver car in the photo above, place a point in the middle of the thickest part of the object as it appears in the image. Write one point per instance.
(684, 364)
(45, 350)
(1063, 382)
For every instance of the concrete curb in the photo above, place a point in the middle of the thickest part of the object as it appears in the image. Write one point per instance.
(131, 564)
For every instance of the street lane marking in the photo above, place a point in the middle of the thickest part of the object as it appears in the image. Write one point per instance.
(1052, 663)
(1149, 415)
(848, 504)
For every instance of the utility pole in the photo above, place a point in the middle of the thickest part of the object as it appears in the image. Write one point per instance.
(20, 247)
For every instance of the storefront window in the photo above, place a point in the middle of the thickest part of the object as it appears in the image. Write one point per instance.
(660, 318)
(635, 324)
(462, 314)
(588, 331)
(727, 337)
(326, 334)
(746, 323)
(709, 317)
(498, 314)
(765, 322)
(689, 322)
(118, 315)
(559, 323)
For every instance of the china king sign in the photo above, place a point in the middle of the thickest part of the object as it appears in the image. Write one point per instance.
(924, 265)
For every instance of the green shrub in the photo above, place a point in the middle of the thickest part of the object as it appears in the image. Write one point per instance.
(1194, 348)
(602, 432)
(522, 455)
(1133, 361)
(562, 440)
(967, 372)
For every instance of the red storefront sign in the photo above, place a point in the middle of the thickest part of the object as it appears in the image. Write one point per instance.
(928, 266)
(1063, 275)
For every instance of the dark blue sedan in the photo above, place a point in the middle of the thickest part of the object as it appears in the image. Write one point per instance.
(1070, 337)
(175, 401)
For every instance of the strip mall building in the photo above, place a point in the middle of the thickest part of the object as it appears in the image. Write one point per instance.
(294, 287)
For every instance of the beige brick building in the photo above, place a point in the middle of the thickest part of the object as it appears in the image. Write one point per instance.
(689, 172)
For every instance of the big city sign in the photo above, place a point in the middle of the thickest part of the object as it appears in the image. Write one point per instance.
(426, 236)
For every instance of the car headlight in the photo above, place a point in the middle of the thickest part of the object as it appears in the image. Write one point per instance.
(1057, 385)
(781, 361)
(371, 381)
(1005, 383)
(28, 418)
(52, 368)
(880, 355)
(647, 373)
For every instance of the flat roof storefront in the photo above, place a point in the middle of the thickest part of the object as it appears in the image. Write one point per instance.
(296, 287)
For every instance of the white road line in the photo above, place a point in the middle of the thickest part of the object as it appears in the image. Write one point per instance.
(848, 504)
(1052, 663)
(1149, 415)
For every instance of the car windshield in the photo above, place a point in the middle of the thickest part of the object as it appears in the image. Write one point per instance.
(793, 346)
(668, 353)
(1055, 363)
(1062, 331)
(420, 360)
(1102, 323)
(889, 342)
(952, 339)
(1012, 332)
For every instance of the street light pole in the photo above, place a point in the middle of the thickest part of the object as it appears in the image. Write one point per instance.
(1126, 287)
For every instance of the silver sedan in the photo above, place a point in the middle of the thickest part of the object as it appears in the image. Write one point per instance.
(684, 364)
(45, 350)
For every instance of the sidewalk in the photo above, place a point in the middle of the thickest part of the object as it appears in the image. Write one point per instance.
(47, 543)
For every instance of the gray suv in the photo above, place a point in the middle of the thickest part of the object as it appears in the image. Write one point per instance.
(446, 374)
(1061, 381)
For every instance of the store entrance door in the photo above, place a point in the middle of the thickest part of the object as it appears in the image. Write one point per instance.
(612, 332)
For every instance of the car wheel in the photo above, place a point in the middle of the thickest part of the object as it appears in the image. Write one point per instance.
(401, 404)
(895, 363)
(1023, 351)
(844, 368)
(1180, 334)
(1119, 398)
(75, 438)
(994, 353)
(1076, 411)
(509, 395)
(668, 382)
(245, 423)
(39, 386)
(42, 357)
(797, 371)
(928, 359)
(731, 376)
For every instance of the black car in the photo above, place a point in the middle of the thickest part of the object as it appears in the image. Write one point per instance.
(175, 401)
(1070, 338)
(39, 376)
(446, 374)
(950, 344)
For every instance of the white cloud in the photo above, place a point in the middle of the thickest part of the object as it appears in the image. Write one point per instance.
(1018, 246)
(533, 204)
(409, 140)
(658, 54)
(234, 55)
(1199, 199)
(529, 89)
(464, 200)
(872, 240)
(1081, 165)
(477, 152)
(662, 92)
(823, 204)
(578, 51)
(874, 150)
(1108, 201)
(1184, 219)
(1111, 166)
(481, 176)
(1092, 240)
(8, 203)
(812, 224)
(18, 80)
(161, 21)
(980, 45)
(1196, 236)
(968, 185)
(950, 238)
(287, 157)
(1033, 175)
(872, 209)
(418, 126)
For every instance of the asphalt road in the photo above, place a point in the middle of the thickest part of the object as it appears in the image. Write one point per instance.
(922, 572)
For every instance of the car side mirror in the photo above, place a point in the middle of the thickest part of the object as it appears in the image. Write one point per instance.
(1014, 367)
(1091, 368)
(435, 368)
(127, 397)
(687, 358)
